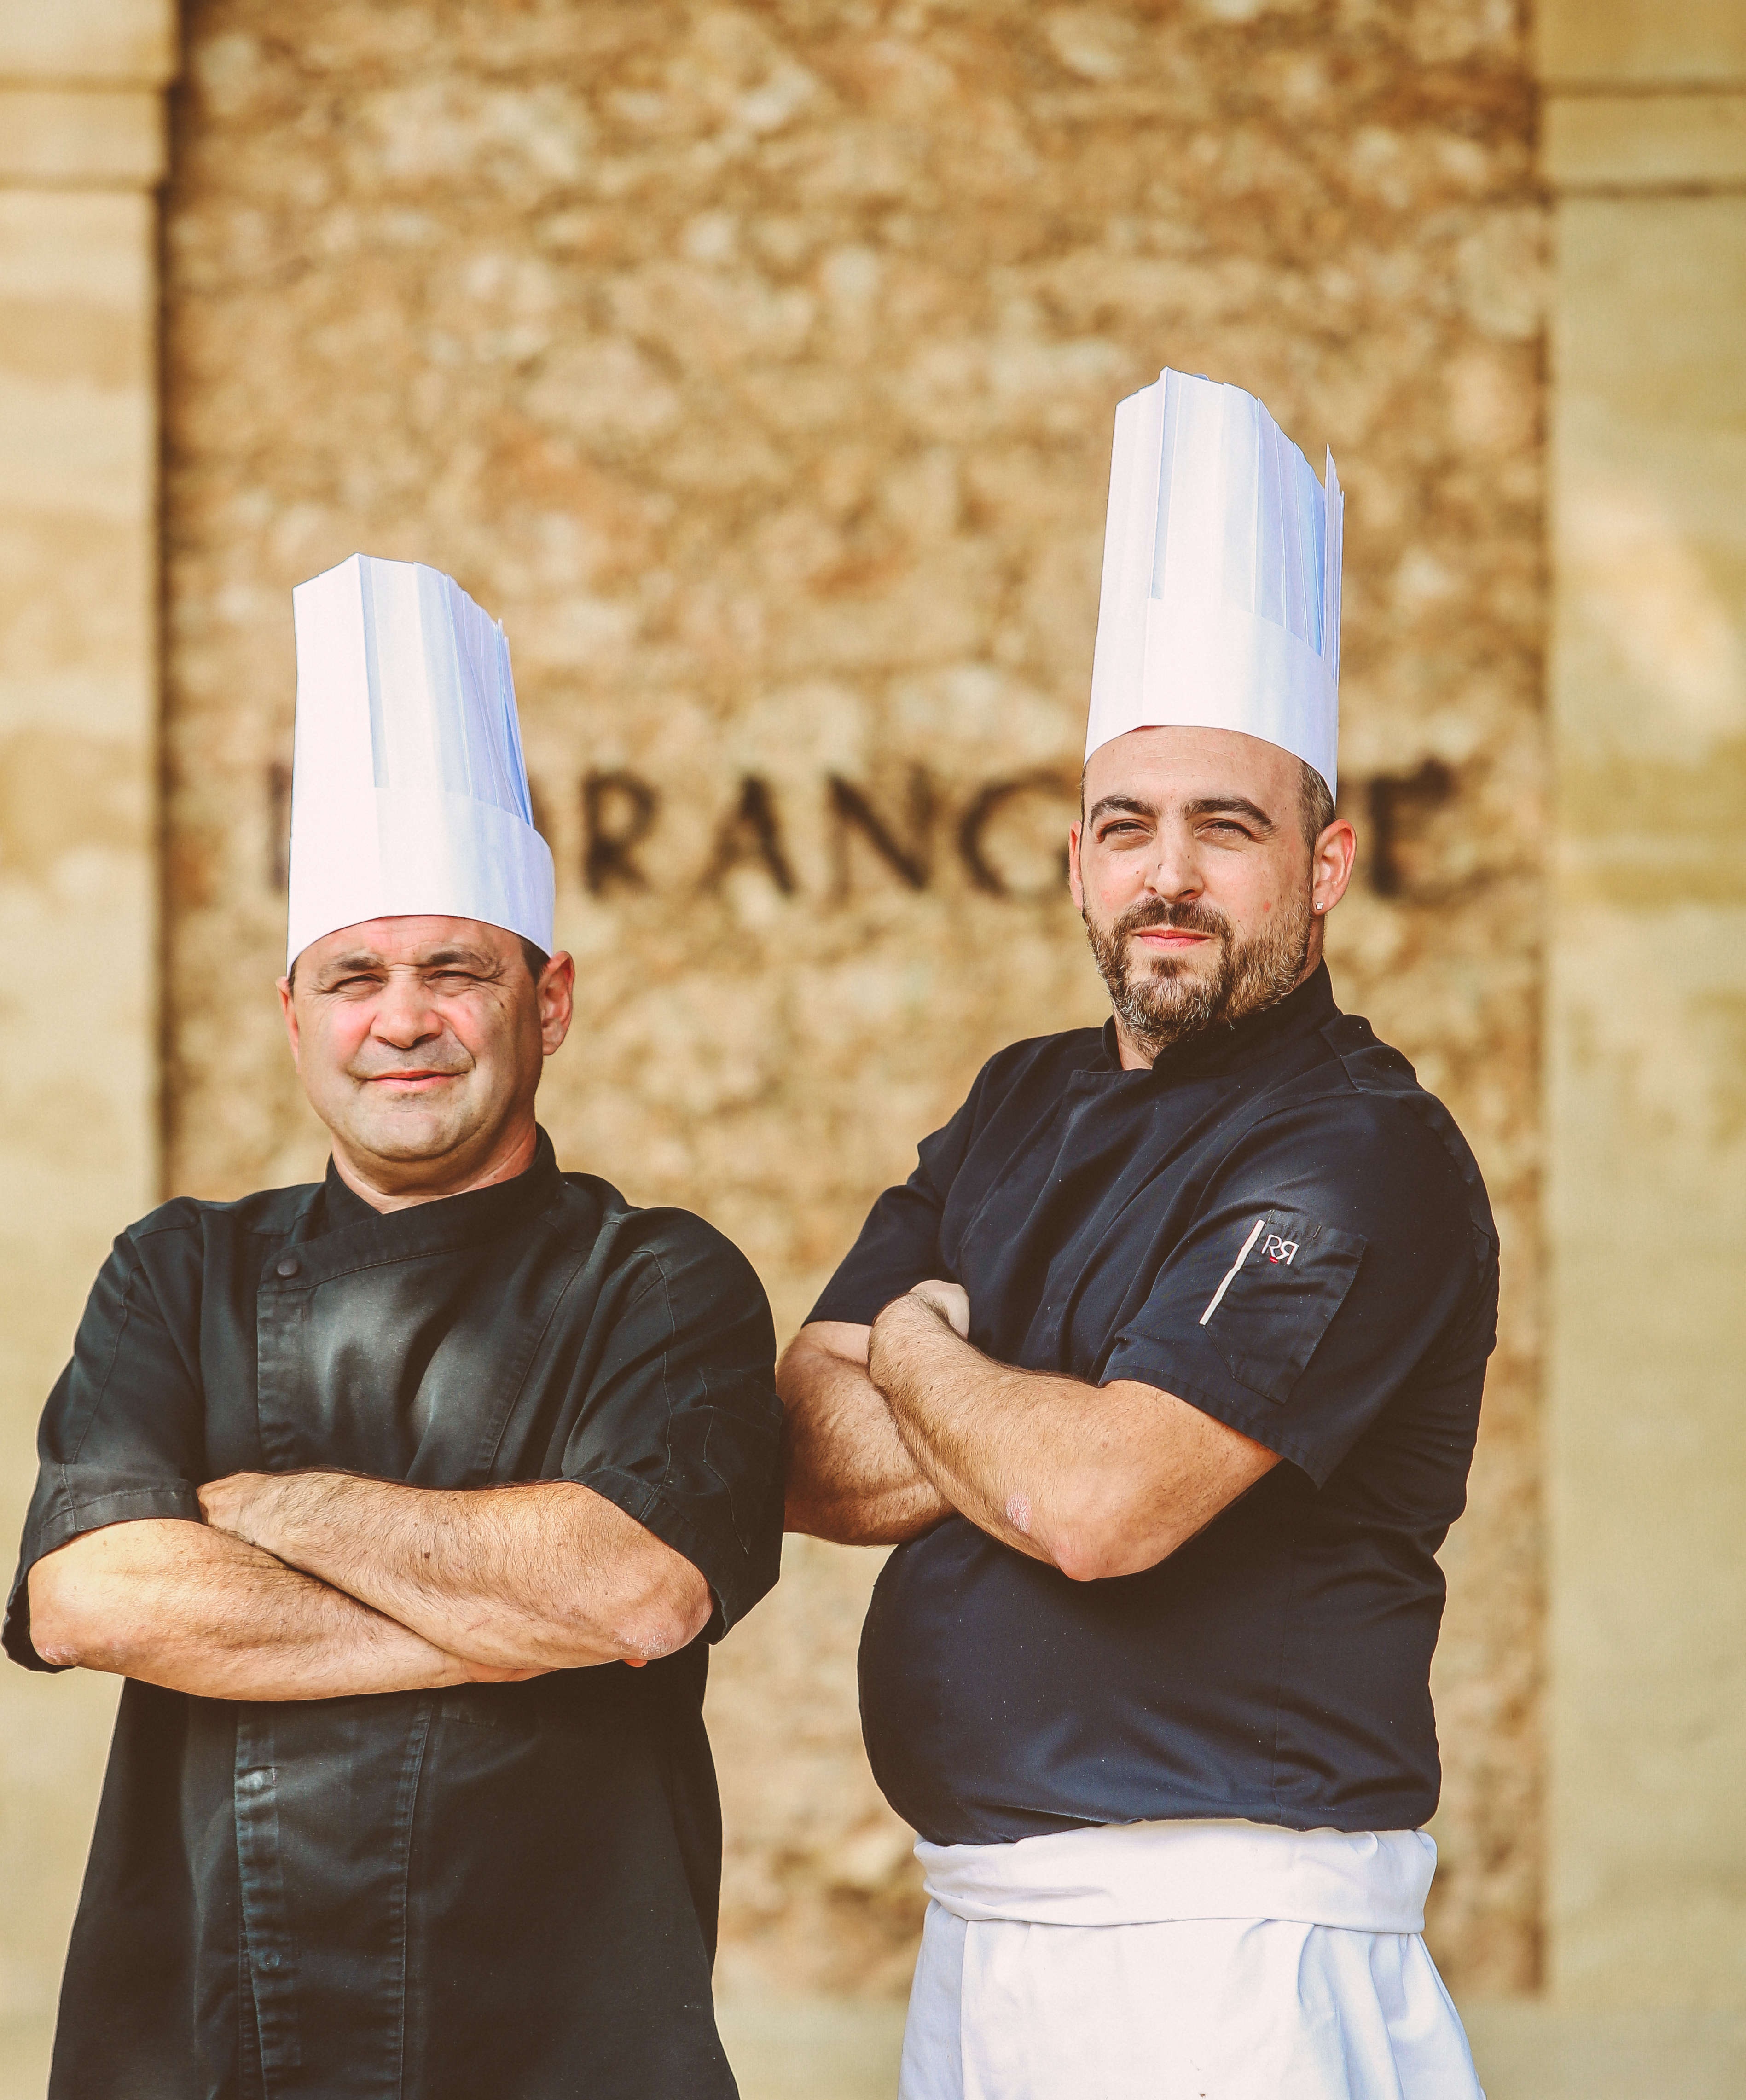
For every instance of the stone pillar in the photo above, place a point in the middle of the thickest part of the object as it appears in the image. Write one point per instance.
(82, 152)
(1645, 147)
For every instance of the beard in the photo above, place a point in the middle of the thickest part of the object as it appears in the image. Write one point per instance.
(1166, 999)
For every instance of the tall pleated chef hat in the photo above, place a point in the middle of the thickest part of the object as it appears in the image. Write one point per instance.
(1221, 593)
(409, 793)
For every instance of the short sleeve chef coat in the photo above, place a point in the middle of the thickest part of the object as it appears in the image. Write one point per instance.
(1278, 1224)
(496, 1889)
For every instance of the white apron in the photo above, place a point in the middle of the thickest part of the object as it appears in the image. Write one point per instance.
(1194, 1960)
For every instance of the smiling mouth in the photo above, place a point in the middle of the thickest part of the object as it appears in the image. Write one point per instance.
(1170, 936)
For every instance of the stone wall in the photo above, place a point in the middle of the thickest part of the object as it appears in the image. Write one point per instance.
(81, 152)
(755, 365)
(1646, 146)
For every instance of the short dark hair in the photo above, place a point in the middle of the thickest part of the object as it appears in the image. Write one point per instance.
(535, 959)
(1315, 803)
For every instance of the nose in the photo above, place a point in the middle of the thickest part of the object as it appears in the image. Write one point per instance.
(1173, 872)
(403, 1016)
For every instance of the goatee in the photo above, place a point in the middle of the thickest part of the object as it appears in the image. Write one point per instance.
(1166, 999)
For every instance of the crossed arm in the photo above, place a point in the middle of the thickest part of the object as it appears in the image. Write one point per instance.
(315, 1585)
(892, 1427)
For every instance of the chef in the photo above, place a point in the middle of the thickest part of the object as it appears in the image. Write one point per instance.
(1162, 1372)
(406, 1503)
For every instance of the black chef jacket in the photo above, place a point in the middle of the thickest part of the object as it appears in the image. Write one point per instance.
(499, 1889)
(1278, 1224)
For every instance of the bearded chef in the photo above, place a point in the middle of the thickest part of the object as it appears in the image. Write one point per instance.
(408, 1502)
(1163, 1373)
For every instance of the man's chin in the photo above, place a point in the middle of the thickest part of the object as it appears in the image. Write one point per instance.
(1179, 981)
(1184, 966)
(1174, 997)
(406, 1131)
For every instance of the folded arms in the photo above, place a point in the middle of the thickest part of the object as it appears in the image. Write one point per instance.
(321, 1585)
(318, 1585)
(892, 1427)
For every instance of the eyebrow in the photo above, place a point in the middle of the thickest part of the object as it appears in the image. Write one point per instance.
(1205, 805)
(474, 959)
(1236, 805)
(1126, 804)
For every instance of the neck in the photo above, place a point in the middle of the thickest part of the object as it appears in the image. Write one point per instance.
(396, 1185)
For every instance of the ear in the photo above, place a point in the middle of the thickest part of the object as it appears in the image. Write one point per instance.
(557, 995)
(288, 1008)
(1075, 879)
(1331, 861)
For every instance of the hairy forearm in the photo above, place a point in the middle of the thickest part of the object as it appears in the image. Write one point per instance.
(1095, 1480)
(969, 1429)
(181, 1605)
(849, 1477)
(545, 1576)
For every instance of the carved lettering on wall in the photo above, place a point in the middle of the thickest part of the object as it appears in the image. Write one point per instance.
(986, 806)
(751, 835)
(896, 838)
(1399, 805)
(279, 825)
(910, 859)
(618, 813)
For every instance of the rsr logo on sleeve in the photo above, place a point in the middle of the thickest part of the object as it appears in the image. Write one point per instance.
(1274, 1302)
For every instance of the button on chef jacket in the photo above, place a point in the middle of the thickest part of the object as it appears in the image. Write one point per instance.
(1277, 1224)
(498, 1889)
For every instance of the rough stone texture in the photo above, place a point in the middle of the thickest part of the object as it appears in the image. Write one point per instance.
(756, 365)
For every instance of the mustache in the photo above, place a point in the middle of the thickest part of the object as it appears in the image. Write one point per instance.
(1195, 917)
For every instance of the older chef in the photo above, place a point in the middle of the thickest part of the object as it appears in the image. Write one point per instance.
(407, 1501)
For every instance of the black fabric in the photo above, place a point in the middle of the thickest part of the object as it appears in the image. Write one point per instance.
(504, 1888)
(1278, 1224)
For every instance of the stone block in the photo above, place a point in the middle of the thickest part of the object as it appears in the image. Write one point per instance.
(1638, 142)
(103, 138)
(1624, 43)
(90, 40)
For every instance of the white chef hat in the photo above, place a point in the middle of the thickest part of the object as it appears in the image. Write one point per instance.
(1221, 593)
(409, 793)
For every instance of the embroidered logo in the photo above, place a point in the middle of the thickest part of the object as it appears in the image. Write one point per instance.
(1278, 1249)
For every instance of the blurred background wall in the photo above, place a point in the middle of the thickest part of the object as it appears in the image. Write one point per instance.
(756, 365)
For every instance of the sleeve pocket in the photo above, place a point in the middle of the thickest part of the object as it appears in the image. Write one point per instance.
(1288, 1278)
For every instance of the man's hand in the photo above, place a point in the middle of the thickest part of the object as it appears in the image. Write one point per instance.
(543, 1576)
(228, 1505)
(950, 1301)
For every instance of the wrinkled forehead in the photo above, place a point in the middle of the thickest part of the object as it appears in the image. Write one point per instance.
(422, 940)
(1166, 767)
